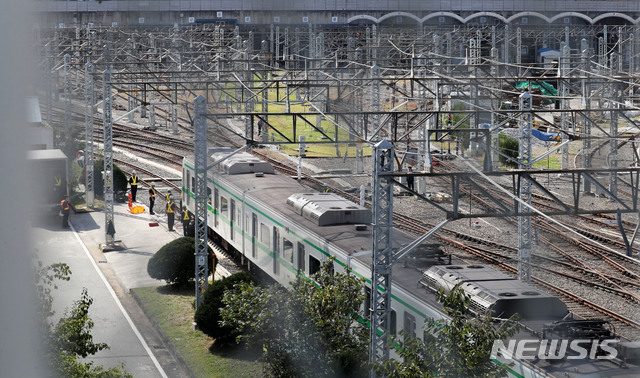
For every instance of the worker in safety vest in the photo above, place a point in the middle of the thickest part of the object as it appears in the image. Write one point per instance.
(152, 197)
(65, 208)
(186, 220)
(171, 212)
(168, 195)
(133, 180)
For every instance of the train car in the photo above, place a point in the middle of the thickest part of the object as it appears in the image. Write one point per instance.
(282, 227)
(48, 172)
(285, 228)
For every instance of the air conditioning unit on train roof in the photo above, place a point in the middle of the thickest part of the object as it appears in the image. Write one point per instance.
(328, 209)
(239, 163)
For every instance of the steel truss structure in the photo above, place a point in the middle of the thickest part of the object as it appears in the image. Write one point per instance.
(356, 87)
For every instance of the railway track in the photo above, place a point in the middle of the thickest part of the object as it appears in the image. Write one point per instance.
(501, 255)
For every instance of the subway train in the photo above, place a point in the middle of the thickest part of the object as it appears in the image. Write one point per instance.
(283, 228)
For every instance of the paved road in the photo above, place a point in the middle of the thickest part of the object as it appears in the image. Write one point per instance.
(109, 276)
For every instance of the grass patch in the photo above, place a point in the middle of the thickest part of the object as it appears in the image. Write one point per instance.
(171, 307)
(549, 162)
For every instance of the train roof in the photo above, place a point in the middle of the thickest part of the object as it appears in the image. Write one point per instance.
(353, 239)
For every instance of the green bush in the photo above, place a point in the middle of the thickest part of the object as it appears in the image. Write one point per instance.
(510, 147)
(120, 181)
(208, 314)
(175, 262)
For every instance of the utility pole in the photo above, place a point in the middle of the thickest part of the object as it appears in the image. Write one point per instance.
(109, 221)
(380, 317)
(200, 160)
(524, 192)
(89, 111)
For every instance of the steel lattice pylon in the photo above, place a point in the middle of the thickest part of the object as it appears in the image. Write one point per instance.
(564, 104)
(200, 146)
(524, 193)
(89, 111)
(612, 158)
(383, 160)
(108, 157)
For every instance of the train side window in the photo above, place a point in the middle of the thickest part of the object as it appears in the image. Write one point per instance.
(190, 184)
(301, 258)
(276, 250)
(208, 195)
(314, 265)
(265, 235)
(409, 325)
(287, 250)
(392, 326)
(224, 206)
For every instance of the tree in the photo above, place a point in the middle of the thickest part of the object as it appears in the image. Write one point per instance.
(69, 339)
(119, 178)
(458, 347)
(175, 262)
(208, 316)
(308, 331)
(509, 147)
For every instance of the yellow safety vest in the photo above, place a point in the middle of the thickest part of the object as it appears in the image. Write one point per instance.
(170, 207)
(134, 180)
(152, 193)
(185, 215)
(64, 205)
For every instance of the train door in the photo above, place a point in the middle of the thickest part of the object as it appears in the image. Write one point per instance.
(301, 258)
(409, 326)
(276, 250)
(393, 323)
(216, 207)
(254, 234)
(190, 188)
(232, 219)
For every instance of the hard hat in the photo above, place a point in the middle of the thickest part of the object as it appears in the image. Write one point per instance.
(134, 171)
(169, 190)
(170, 197)
(153, 184)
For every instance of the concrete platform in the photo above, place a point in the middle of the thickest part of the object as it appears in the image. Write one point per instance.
(109, 275)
